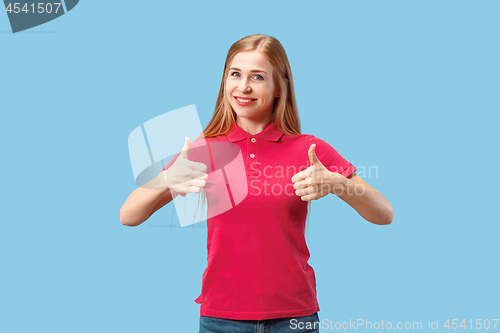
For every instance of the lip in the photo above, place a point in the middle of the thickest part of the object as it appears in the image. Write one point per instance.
(243, 103)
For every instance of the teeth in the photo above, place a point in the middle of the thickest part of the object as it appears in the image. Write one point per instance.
(243, 100)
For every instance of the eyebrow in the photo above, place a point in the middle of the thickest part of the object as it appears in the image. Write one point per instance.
(253, 70)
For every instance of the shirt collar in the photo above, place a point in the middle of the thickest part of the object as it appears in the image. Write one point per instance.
(270, 133)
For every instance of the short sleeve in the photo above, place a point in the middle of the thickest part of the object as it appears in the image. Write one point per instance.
(330, 158)
(172, 161)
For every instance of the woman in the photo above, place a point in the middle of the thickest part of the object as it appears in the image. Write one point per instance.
(257, 275)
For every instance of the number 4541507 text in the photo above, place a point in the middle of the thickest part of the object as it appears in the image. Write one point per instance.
(42, 8)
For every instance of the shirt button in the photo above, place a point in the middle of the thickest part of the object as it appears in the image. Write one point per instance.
(253, 140)
(252, 155)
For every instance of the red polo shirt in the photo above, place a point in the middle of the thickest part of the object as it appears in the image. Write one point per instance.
(257, 254)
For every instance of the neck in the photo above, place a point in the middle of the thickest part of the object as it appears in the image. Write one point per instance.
(253, 126)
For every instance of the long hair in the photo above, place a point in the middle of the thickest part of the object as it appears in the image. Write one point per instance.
(285, 112)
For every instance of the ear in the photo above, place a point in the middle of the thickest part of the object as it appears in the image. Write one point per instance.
(278, 94)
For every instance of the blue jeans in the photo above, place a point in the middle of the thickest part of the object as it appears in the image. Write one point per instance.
(305, 324)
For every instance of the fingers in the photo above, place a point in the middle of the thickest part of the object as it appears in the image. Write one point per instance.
(192, 189)
(300, 176)
(300, 185)
(313, 159)
(307, 198)
(194, 186)
(306, 191)
(312, 154)
(185, 149)
(197, 166)
(197, 183)
(199, 175)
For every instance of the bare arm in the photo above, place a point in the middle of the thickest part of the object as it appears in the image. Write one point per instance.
(366, 200)
(145, 200)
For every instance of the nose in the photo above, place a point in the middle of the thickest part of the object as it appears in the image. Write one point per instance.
(244, 86)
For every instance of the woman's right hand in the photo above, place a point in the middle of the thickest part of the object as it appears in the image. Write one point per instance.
(185, 176)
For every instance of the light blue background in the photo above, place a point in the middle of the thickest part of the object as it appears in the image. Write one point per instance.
(410, 87)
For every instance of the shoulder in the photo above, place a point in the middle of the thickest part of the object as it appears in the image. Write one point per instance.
(306, 140)
(320, 143)
(322, 147)
(303, 137)
(328, 155)
(296, 138)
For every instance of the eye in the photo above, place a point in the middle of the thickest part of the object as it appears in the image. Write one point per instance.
(233, 73)
(261, 78)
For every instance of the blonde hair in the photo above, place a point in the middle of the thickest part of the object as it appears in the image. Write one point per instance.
(285, 112)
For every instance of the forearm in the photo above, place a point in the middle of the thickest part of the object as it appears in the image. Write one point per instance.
(141, 202)
(367, 201)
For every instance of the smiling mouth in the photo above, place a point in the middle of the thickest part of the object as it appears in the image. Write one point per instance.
(244, 100)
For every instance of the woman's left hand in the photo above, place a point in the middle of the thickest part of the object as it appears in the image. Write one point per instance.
(317, 181)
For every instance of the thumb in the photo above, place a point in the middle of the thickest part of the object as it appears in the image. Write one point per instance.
(185, 149)
(312, 154)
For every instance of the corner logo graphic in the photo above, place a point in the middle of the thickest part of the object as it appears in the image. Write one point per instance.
(28, 14)
(151, 144)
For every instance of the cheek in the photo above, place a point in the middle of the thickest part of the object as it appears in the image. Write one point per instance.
(228, 94)
(267, 93)
(268, 98)
(229, 89)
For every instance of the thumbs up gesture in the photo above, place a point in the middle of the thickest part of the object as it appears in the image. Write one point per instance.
(185, 176)
(316, 181)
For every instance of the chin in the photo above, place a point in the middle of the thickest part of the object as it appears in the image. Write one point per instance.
(244, 115)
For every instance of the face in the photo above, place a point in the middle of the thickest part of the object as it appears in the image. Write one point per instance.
(250, 77)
